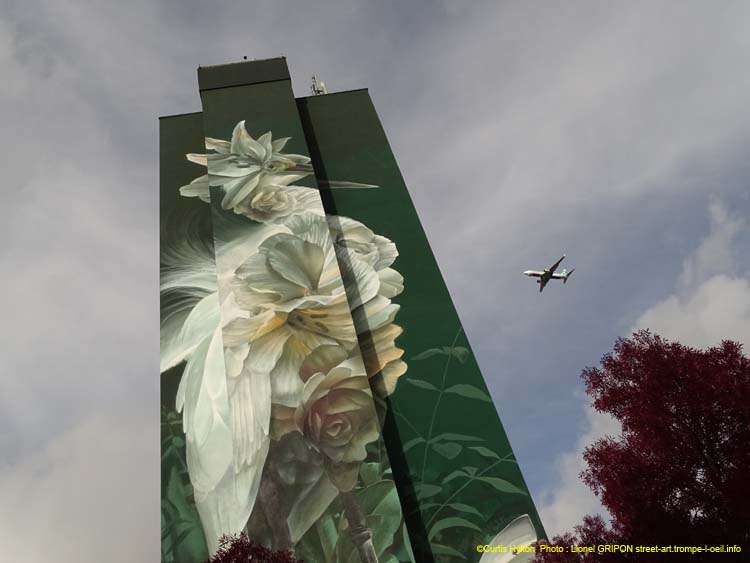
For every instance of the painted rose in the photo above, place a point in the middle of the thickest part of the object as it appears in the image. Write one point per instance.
(335, 413)
(268, 203)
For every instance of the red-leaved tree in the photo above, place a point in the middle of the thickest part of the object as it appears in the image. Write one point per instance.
(679, 473)
(241, 549)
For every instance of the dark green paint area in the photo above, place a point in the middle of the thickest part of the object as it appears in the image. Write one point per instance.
(347, 140)
(238, 74)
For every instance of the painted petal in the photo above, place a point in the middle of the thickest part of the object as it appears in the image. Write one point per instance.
(387, 252)
(391, 283)
(266, 350)
(240, 191)
(218, 145)
(265, 141)
(197, 188)
(376, 313)
(296, 260)
(242, 143)
(285, 380)
(322, 360)
(279, 144)
(256, 284)
(298, 158)
(366, 283)
(311, 228)
(308, 199)
(226, 166)
(197, 159)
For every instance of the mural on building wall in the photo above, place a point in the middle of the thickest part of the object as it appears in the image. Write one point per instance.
(282, 352)
(277, 415)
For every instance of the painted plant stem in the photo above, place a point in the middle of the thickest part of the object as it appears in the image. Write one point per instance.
(462, 487)
(361, 535)
(437, 406)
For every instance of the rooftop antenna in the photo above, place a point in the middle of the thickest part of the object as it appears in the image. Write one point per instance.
(318, 87)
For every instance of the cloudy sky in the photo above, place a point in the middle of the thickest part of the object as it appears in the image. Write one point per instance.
(617, 133)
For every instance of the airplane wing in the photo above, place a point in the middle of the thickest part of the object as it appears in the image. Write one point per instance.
(554, 266)
(542, 283)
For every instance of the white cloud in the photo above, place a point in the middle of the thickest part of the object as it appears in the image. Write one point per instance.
(564, 507)
(712, 301)
(716, 253)
(718, 309)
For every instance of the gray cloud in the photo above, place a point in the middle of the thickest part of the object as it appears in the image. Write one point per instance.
(523, 130)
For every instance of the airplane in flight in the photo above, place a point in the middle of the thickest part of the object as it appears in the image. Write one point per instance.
(549, 274)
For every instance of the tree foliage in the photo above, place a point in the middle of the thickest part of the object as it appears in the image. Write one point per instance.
(679, 473)
(241, 549)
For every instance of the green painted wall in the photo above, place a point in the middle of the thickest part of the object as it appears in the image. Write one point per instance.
(347, 140)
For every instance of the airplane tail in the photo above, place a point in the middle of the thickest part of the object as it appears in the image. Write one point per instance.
(567, 275)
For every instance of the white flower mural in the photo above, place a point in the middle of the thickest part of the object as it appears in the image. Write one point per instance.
(270, 342)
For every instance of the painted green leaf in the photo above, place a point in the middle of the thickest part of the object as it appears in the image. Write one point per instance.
(502, 485)
(448, 450)
(422, 384)
(427, 491)
(457, 506)
(328, 535)
(485, 452)
(439, 549)
(428, 354)
(370, 473)
(166, 453)
(455, 475)
(186, 539)
(413, 442)
(469, 391)
(460, 507)
(451, 522)
(455, 438)
(459, 352)
(308, 509)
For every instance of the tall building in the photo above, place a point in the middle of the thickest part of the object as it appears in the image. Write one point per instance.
(317, 388)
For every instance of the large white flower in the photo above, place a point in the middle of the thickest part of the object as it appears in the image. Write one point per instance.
(292, 300)
(239, 165)
(355, 245)
(355, 242)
